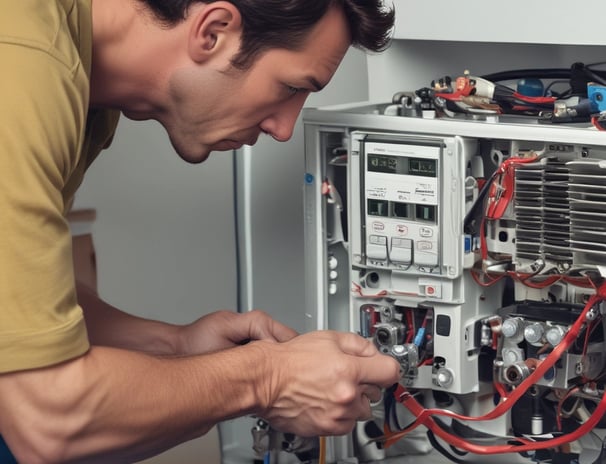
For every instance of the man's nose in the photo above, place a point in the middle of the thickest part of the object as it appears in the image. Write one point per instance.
(280, 124)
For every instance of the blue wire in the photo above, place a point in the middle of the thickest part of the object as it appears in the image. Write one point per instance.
(266, 458)
(419, 337)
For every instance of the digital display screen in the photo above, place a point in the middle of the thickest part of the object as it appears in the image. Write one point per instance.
(422, 167)
(402, 165)
(383, 163)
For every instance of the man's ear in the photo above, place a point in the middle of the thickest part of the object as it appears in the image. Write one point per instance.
(214, 26)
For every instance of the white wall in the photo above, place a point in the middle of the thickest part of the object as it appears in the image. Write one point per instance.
(164, 231)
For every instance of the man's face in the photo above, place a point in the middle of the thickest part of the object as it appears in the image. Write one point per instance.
(217, 110)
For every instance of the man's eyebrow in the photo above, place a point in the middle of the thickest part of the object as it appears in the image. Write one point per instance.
(314, 83)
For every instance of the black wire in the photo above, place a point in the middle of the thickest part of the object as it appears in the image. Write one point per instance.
(473, 218)
(547, 73)
(595, 76)
(390, 407)
(551, 84)
(457, 451)
(438, 446)
(573, 74)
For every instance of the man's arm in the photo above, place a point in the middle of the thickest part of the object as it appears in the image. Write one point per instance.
(109, 326)
(125, 406)
(113, 405)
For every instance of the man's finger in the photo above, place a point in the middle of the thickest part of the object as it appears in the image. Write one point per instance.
(356, 345)
(262, 327)
(372, 392)
(380, 370)
(365, 408)
(283, 333)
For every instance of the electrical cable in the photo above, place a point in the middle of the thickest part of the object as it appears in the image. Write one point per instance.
(424, 416)
(596, 77)
(545, 73)
(440, 449)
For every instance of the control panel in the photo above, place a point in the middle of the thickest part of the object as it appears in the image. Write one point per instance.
(400, 205)
(471, 252)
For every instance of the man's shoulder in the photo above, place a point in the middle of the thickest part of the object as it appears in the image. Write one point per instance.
(50, 26)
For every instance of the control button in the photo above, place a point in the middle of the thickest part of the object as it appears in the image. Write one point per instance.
(432, 289)
(376, 248)
(426, 232)
(401, 250)
(377, 239)
(426, 253)
(401, 229)
(424, 245)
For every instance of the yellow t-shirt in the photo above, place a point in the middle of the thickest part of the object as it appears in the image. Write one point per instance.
(47, 140)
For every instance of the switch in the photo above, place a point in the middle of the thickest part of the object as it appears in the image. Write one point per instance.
(426, 254)
(401, 250)
(376, 248)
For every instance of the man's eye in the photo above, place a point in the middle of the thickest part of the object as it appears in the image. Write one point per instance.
(292, 90)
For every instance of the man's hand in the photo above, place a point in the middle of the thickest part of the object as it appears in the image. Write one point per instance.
(226, 329)
(321, 383)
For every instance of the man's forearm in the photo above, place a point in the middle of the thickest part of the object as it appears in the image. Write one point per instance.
(124, 406)
(108, 326)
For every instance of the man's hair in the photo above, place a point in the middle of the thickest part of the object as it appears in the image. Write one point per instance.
(286, 24)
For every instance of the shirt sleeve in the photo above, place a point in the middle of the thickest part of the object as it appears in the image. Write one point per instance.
(43, 100)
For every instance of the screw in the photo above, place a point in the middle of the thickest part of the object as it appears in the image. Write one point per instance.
(578, 368)
(591, 314)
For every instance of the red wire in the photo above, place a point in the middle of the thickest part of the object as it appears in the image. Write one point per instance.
(424, 416)
(544, 283)
(410, 326)
(500, 388)
(477, 279)
(535, 100)
(599, 124)
(586, 427)
(358, 289)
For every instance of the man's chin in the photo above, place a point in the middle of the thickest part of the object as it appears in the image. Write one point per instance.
(193, 157)
(202, 153)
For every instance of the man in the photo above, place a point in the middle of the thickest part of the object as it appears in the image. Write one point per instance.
(79, 379)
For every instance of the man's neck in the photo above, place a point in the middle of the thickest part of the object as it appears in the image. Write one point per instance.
(131, 55)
